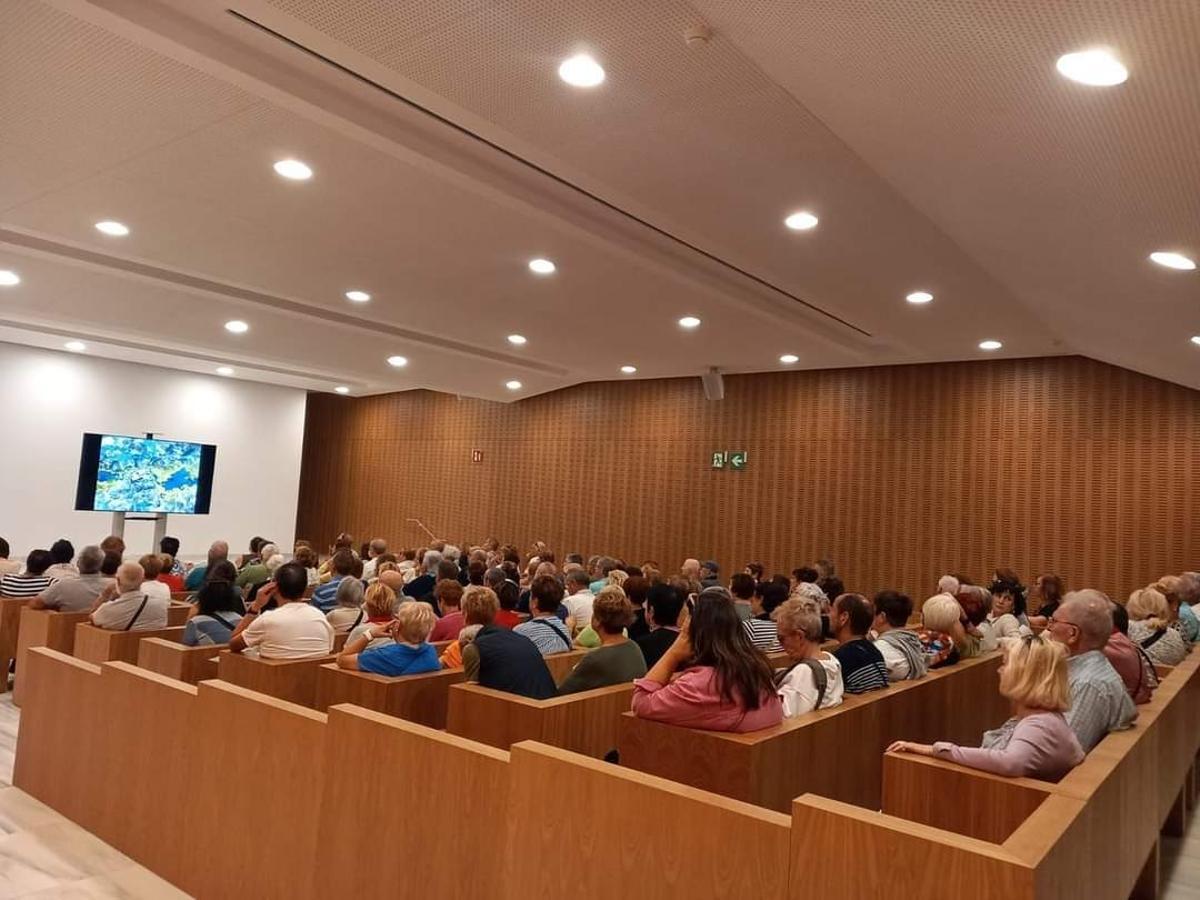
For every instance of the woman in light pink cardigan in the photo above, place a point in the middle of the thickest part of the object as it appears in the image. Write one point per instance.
(727, 685)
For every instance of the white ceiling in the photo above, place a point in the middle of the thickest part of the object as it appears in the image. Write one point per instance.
(935, 141)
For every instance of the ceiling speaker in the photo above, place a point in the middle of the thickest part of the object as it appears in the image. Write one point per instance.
(714, 384)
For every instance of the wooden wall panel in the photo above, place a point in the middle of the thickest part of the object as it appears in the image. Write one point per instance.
(898, 473)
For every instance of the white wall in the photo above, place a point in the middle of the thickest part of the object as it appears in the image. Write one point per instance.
(48, 400)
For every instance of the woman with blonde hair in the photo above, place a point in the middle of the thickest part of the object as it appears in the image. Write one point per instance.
(1037, 742)
(1150, 627)
(379, 603)
(407, 652)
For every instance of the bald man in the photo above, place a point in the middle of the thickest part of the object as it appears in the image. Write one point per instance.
(125, 607)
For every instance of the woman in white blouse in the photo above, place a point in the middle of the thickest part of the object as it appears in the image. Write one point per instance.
(813, 680)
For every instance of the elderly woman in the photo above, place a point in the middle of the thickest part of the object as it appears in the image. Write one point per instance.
(1177, 589)
(1041, 745)
(617, 660)
(814, 678)
(379, 603)
(407, 653)
(475, 615)
(347, 613)
(1150, 627)
(941, 621)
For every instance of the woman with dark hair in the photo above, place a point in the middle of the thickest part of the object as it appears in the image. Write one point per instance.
(1007, 616)
(218, 608)
(727, 684)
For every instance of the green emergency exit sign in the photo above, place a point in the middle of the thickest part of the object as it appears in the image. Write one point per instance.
(729, 459)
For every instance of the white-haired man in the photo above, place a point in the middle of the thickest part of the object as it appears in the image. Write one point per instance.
(124, 606)
(375, 549)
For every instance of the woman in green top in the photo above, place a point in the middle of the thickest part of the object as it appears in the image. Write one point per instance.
(617, 660)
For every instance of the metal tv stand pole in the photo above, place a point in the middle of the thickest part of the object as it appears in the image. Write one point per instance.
(159, 519)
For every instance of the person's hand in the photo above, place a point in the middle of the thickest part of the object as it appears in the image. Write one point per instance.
(910, 747)
(381, 629)
(1037, 624)
(681, 649)
(109, 592)
(263, 597)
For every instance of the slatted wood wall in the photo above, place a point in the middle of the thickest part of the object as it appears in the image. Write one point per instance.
(898, 473)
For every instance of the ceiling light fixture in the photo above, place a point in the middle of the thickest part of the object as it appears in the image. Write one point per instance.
(689, 322)
(990, 345)
(341, 389)
(581, 70)
(75, 346)
(513, 385)
(801, 221)
(541, 266)
(1173, 260)
(1098, 67)
(112, 229)
(236, 326)
(919, 297)
(358, 296)
(398, 362)
(517, 340)
(8, 278)
(628, 370)
(225, 370)
(789, 358)
(293, 169)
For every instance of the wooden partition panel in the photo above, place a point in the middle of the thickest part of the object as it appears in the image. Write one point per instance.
(561, 664)
(586, 722)
(44, 628)
(294, 680)
(469, 783)
(621, 833)
(417, 698)
(10, 624)
(179, 612)
(99, 645)
(188, 664)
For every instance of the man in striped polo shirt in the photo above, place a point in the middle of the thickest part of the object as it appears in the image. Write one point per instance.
(863, 668)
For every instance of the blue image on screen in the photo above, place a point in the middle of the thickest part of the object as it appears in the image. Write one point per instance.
(141, 475)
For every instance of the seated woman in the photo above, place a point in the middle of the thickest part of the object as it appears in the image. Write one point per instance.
(152, 587)
(379, 603)
(1150, 627)
(1007, 617)
(306, 556)
(1182, 619)
(760, 627)
(727, 684)
(814, 679)
(590, 637)
(617, 660)
(347, 613)
(474, 615)
(408, 653)
(940, 619)
(1038, 742)
(218, 609)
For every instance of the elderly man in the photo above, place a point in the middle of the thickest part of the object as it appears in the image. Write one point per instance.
(421, 587)
(710, 574)
(1100, 702)
(217, 551)
(256, 571)
(125, 607)
(375, 549)
(690, 569)
(76, 594)
(579, 599)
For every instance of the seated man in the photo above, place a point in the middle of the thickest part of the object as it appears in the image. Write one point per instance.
(217, 551)
(125, 607)
(617, 660)
(341, 566)
(62, 552)
(409, 652)
(502, 659)
(76, 594)
(294, 630)
(901, 648)
(1100, 702)
(33, 580)
(863, 668)
(665, 603)
(1130, 660)
(545, 629)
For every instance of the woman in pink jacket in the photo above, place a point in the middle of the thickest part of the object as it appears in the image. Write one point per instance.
(726, 683)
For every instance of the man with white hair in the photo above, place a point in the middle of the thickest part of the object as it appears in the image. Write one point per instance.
(375, 549)
(76, 594)
(217, 551)
(690, 569)
(421, 587)
(948, 584)
(256, 572)
(124, 606)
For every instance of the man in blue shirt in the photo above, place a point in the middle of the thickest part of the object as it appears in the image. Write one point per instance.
(342, 565)
(409, 654)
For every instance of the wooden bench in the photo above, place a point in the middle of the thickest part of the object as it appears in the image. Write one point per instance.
(586, 722)
(97, 645)
(178, 613)
(44, 628)
(176, 660)
(837, 752)
(294, 680)
(10, 624)
(182, 596)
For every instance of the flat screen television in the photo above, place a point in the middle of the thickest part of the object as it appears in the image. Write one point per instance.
(144, 475)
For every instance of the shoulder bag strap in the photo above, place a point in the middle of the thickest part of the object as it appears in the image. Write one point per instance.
(820, 677)
(138, 613)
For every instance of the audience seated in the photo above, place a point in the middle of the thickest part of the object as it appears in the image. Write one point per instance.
(502, 659)
(377, 548)
(449, 600)
(62, 552)
(760, 626)
(1130, 660)
(636, 588)
(743, 587)
(665, 605)
(902, 651)
(218, 551)
(1181, 619)
(7, 566)
(294, 630)
(342, 542)
(1100, 702)
(1037, 742)
(473, 620)
(1048, 592)
(256, 571)
(304, 555)
(408, 652)
(726, 683)
(548, 633)
(167, 574)
(76, 594)
(341, 565)
(347, 613)
(379, 604)
(169, 546)
(618, 659)
(1149, 627)
(422, 585)
(33, 580)
(814, 678)
(804, 586)
(219, 608)
(151, 586)
(710, 574)
(863, 668)
(579, 599)
(940, 617)
(124, 606)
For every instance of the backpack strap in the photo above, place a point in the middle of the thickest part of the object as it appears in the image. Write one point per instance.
(561, 636)
(820, 676)
(359, 619)
(1153, 639)
(145, 599)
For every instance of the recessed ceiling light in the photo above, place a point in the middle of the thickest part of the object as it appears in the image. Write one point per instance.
(1196, 339)
(541, 266)
(225, 370)
(689, 322)
(111, 228)
(919, 297)
(581, 70)
(358, 296)
(516, 339)
(513, 385)
(990, 345)
(236, 326)
(8, 277)
(75, 346)
(293, 169)
(801, 221)
(1098, 67)
(1173, 260)
(341, 389)
(398, 361)
(789, 358)
(628, 370)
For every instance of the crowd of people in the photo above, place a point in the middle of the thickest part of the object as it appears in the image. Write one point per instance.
(738, 655)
